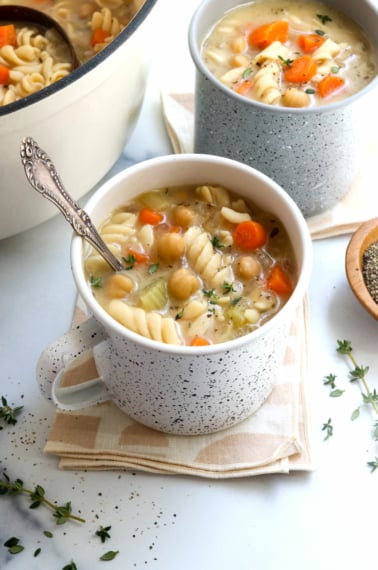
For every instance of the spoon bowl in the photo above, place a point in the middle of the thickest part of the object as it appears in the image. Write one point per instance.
(11, 14)
(364, 236)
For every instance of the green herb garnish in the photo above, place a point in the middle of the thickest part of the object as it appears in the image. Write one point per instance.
(328, 428)
(95, 282)
(153, 268)
(13, 545)
(320, 32)
(130, 261)
(37, 496)
(287, 62)
(110, 555)
(7, 413)
(228, 287)
(324, 18)
(216, 243)
(103, 533)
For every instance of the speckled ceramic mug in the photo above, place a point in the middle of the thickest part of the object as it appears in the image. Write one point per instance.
(177, 389)
(312, 152)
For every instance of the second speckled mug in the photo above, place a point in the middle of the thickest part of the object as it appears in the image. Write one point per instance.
(313, 153)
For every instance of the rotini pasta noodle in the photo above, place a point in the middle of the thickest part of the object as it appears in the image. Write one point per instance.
(267, 84)
(202, 258)
(149, 325)
(275, 52)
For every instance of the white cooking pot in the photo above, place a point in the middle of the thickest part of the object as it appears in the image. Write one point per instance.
(83, 122)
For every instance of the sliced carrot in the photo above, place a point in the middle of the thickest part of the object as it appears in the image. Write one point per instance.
(243, 87)
(249, 235)
(310, 42)
(148, 216)
(279, 281)
(139, 256)
(263, 36)
(301, 70)
(98, 36)
(4, 75)
(199, 341)
(329, 84)
(8, 35)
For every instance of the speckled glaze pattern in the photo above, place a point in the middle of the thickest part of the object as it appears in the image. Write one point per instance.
(196, 394)
(313, 153)
(314, 157)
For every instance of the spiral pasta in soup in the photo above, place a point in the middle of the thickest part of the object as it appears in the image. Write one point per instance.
(201, 266)
(290, 53)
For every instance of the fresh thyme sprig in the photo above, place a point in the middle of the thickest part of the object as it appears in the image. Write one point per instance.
(61, 513)
(7, 413)
(359, 373)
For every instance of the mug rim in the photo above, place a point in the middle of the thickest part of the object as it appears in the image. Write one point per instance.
(194, 40)
(78, 244)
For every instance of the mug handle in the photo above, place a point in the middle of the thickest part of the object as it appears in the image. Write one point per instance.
(61, 353)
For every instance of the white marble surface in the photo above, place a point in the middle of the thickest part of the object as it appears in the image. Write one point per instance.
(323, 519)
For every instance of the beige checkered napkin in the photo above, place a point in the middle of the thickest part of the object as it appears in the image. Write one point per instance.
(274, 440)
(361, 202)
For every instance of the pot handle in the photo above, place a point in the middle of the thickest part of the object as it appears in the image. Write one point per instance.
(60, 353)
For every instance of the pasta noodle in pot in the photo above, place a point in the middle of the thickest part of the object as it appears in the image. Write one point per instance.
(90, 24)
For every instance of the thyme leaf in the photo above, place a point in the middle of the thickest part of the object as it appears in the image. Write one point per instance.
(324, 18)
(8, 413)
(95, 282)
(103, 533)
(110, 555)
(328, 428)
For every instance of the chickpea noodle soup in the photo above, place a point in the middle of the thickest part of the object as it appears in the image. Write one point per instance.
(30, 60)
(202, 266)
(290, 53)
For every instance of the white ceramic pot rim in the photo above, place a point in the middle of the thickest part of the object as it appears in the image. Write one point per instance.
(193, 41)
(84, 68)
(286, 312)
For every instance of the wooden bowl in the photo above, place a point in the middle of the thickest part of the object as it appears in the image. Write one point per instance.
(363, 237)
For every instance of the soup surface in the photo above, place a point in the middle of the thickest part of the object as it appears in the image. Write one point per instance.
(202, 266)
(289, 53)
(30, 60)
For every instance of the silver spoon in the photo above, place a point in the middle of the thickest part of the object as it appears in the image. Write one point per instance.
(41, 174)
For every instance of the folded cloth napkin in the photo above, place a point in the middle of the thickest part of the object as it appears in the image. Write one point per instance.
(361, 202)
(275, 439)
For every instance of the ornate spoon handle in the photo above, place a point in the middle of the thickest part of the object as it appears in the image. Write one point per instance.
(42, 175)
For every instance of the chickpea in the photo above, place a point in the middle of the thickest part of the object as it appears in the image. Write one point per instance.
(118, 286)
(170, 247)
(238, 45)
(183, 216)
(294, 97)
(239, 61)
(86, 10)
(182, 284)
(248, 266)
